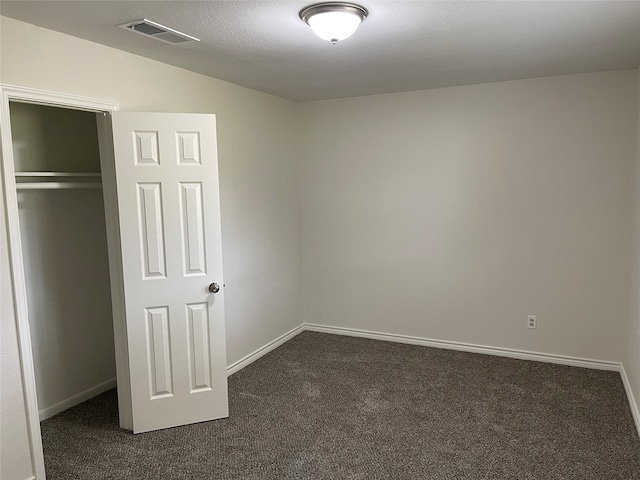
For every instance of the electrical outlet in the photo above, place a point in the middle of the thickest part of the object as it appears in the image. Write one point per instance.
(532, 322)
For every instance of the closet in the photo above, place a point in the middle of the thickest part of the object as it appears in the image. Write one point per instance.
(64, 249)
(113, 221)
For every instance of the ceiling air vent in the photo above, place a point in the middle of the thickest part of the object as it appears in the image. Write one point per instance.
(157, 31)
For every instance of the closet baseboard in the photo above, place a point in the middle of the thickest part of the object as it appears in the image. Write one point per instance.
(74, 400)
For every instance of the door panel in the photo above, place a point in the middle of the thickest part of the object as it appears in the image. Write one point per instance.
(192, 219)
(199, 358)
(169, 211)
(159, 350)
(152, 230)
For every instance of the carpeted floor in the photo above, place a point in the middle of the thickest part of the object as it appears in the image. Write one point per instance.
(331, 407)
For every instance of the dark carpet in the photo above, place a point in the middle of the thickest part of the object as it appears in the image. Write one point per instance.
(332, 407)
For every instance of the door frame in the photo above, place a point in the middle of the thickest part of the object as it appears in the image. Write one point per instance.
(43, 97)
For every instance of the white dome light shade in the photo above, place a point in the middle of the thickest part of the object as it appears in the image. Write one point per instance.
(334, 26)
(334, 21)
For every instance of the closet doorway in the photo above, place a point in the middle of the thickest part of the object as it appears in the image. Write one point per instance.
(64, 250)
(115, 249)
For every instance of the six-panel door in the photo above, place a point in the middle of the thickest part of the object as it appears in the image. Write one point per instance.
(169, 212)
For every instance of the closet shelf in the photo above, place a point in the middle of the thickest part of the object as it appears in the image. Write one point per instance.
(56, 185)
(43, 180)
(57, 174)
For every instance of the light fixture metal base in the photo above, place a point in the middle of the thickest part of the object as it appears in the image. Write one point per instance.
(308, 12)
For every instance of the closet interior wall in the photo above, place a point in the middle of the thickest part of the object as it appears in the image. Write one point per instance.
(64, 250)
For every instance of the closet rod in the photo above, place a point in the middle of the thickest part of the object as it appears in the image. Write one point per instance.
(56, 185)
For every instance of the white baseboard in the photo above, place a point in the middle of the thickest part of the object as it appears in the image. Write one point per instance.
(468, 347)
(252, 357)
(635, 411)
(74, 400)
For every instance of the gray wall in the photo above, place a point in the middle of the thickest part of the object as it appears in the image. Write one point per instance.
(454, 213)
(631, 359)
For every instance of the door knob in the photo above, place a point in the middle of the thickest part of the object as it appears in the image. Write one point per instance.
(214, 287)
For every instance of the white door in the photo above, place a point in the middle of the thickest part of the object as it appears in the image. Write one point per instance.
(169, 212)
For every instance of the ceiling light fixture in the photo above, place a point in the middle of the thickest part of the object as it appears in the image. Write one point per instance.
(334, 21)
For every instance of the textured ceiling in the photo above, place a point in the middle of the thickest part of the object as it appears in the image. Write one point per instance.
(402, 45)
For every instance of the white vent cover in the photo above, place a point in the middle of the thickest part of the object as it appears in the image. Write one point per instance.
(157, 31)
